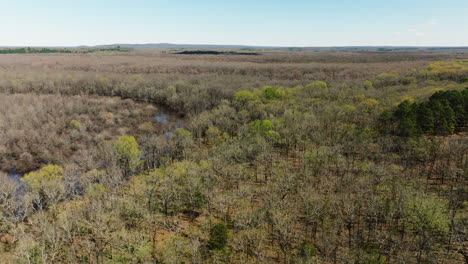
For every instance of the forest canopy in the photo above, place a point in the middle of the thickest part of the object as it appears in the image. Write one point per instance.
(284, 157)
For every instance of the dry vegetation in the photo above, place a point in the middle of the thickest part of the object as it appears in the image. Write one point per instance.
(281, 158)
(40, 129)
(192, 83)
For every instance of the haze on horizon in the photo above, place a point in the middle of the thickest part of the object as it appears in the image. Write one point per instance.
(263, 23)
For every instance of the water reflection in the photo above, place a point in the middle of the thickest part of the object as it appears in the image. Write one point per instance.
(162, 118)
(170, 124)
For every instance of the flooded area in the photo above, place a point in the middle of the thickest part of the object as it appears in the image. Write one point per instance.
(169, 122)
(165, 123)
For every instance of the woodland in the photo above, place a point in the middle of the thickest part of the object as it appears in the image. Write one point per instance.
(148, 156)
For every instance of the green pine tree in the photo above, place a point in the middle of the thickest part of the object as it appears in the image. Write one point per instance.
(425, 119)
(405, 115)
(219, 236)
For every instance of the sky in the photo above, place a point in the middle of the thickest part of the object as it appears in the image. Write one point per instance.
(289, 23)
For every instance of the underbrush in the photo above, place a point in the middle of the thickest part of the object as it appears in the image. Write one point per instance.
(41, 129)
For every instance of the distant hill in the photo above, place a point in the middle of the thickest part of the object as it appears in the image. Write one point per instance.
(187, 46)
(200, 47)
(214, 52)
(168, 46)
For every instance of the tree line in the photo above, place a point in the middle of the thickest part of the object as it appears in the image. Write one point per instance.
(29, 50)
(445, 113)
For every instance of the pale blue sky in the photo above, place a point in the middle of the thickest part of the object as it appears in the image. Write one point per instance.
(254, 22)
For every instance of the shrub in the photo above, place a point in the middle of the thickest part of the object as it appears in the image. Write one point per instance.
(146, 127)
(244, 98)
(317, 89)
(408, 80)
(95, 190)
(387, 79)
(307, 252)
(219, 237)
(75, 124)
(368, 84)
(270, 93)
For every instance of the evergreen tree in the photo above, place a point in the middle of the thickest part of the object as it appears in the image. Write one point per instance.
(386, 122)
(425, 119)
(449, 116)
(219, 236)
(444, 117)
(445, 113)
(457, 101)
(406, 117)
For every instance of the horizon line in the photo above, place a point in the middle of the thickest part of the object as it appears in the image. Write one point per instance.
(232, 45)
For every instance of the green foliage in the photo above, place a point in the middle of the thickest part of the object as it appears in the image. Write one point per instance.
(261, 126)
(182, 140)
(249, 102)
(44, 176)
(272, 136)
(387, 79)
(75, 124)
(215, 135)
(426, 215)
(368, 84)
(408, 80)
(444, 114)
(33, 50)
(184, 136)
(373, 257)
(385, 122)
(270, 93)
(95, 190)
(46, 185)
(406, 118)
(444, 117)
(245, 98)
(317, 89)
(50, 50)
(175, 188)
(369, 104)
(265, 129)
(457, 101)
(33, 255)
(219, 237)
(213, 132)
(131, 252)
(447, 70)
(128, 153)
(425, 118)
(307, 252)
